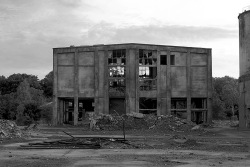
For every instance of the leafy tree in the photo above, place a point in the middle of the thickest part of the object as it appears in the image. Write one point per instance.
(10, 84)
(225, 96)
(47, 85)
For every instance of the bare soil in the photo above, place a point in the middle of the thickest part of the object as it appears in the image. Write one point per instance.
(216, 146)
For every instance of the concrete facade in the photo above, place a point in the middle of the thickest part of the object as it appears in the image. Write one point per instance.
(125, 78)
(244, 79)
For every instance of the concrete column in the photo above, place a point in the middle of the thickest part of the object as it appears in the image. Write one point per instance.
(168, 97)
(106, 83)
(159, 112)
(96, 79)
(137, 88)
(242, 105)
(209, 86)
(127, 82)
(189, 89)
(55, 98)
(76, 87)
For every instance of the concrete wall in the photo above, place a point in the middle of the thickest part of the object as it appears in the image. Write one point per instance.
(244, 55)
(82, 72)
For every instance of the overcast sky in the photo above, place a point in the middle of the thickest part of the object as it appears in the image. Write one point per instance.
(29, 29)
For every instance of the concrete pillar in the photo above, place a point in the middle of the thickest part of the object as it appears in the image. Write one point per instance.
(168, 97)
(55, 98)
(188, 68)
(159, 112)
(96, 79)
(137, 90)
(209, 87)
(106, 83)
(76, 87)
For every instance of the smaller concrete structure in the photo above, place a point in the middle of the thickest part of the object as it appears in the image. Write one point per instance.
(244, 79)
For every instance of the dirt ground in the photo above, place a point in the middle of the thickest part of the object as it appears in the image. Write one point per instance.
(217, 146)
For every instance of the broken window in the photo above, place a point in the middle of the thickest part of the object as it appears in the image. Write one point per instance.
(117, 87)
(178, 103)
(172, 59)
(147, 78)
(198, 103)
(163, 59)
(117, 57)
(147, 105)
(147, 57)
(117, 71)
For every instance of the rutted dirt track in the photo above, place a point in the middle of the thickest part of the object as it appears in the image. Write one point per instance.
(221, 146)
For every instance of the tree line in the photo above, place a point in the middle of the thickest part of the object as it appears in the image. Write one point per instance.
(24, 97)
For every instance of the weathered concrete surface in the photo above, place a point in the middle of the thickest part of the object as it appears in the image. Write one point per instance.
(244, 85)
(83, 72)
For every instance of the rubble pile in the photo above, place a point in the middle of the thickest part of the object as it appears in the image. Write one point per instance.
(115, 122)
(9, 129)
(172, 123)
(138, 122)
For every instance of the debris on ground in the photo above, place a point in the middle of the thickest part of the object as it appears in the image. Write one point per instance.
(82, 143)
(232, 123)
(9, 129)
(140, 121)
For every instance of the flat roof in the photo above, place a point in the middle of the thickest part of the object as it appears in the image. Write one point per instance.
(98, 45)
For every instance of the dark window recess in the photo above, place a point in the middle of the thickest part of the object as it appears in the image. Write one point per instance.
(178, 103)
(163, 59)
(148, 105)
(198, 103)
(172, 59)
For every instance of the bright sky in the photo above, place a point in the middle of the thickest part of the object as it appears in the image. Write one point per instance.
(30, 29)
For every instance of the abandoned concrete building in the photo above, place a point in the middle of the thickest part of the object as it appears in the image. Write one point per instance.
(126, 78)
(244, 79)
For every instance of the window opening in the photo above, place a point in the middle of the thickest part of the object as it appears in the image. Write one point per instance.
(179, 103)
(198, 103)
(148, 78)
(163, 59)
(147, 70)
(147, 57)
(117, 71)
(147, 105)
(117, 57)
(172, 59)
(117, 87)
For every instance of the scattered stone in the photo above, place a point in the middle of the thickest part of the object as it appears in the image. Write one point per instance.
(9, 129)
(196, 127)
